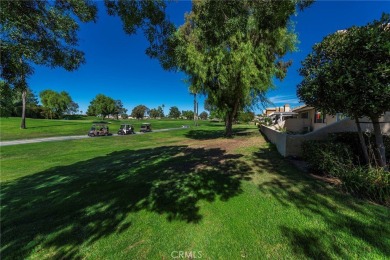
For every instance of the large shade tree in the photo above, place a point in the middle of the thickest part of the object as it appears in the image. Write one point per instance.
(55, 103)
(232, 50)
(102, 106)
(6, 98)
(349, 72)
(174, 112)
(140, 111)
(43, 32)
(119, 109)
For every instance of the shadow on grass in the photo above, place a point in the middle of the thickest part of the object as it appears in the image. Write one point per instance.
(87, 124)
(368, 227)
(200, 134)
(64, 207)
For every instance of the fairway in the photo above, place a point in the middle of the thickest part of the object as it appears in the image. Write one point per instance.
(191, 191)
(38, 128)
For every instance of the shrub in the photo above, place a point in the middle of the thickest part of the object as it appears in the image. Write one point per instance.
(335, 159)
(268, 121)
(352, 139)
(324, 156)
(366, 182)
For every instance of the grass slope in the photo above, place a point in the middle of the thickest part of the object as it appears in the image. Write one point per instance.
(149, 196)
(37, 128)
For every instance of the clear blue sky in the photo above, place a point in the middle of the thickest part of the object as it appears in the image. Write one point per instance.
(118, 67)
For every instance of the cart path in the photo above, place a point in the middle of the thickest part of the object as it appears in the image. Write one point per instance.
(72, 137)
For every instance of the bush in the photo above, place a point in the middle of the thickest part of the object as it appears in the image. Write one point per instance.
(366, 182)
(352, 139)
(336, 159)
(324, 156)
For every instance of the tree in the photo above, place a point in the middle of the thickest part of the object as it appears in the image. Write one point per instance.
(203, 115)
(42, 33)
(6, 98)
(55, 103)
(124, 116)
(160, 111)
(119, 109)
(174, 112)
(150, 16)
(246, 117)
(188, 114)
(32, 107)
(101, 105)
(139, 111)
(153, 113)
(156, 112)
(348, 72)
(232, 50)
(73, 108)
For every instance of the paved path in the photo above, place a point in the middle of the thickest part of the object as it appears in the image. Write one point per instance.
(73, 137)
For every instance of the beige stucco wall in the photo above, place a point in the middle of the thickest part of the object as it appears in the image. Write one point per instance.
(275, 137)
(291, 145)
(296, 124)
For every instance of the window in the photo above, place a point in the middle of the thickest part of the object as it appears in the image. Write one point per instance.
(305, 115)
(319, 117)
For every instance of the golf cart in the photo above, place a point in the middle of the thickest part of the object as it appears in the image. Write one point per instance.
(99, 130)
(146, 127)
(126, 129)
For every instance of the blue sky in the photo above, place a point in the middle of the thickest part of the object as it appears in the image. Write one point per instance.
(118, 67)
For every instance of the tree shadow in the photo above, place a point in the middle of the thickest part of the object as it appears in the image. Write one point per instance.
(200, 134)
(64, 207)
(319, 200)
(64, 124)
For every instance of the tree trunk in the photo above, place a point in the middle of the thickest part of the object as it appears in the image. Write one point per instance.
(362, 141)
(195, 109)
(23, 123)
(229, 125)
(229, 120)
(380, 147)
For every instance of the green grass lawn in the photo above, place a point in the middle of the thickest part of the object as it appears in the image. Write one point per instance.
(37, 128)
(151, 196)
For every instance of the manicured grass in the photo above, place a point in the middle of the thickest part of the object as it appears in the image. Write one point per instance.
(146, 196)
(37, 128)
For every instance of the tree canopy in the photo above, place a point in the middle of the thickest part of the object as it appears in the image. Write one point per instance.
(203, 115)
(348, 72)
(73, 108)
(119, 109)
(232, 50)
(139, 111)
(156, 112)
(43, 32)
(6, 98)
(55, 103)
(102, 106)
(188, 114)
(174, 112)
(246, 117)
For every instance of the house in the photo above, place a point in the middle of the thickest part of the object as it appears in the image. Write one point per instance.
(279, 117)
(314, 125)
(270, 110)
(309, 119)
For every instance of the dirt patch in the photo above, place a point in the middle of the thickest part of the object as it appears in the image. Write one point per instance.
(229, 145)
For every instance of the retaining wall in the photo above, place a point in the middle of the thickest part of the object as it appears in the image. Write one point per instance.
(291, 145)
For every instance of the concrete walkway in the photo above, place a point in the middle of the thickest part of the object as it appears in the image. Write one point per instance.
(73, 137)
